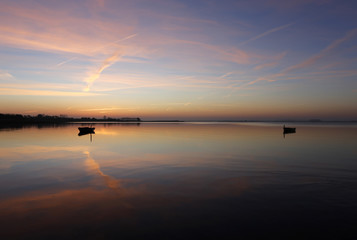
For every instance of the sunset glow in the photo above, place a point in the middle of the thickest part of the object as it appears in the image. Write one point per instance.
(186, 60)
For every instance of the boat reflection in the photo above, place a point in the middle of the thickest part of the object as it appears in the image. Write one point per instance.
(85, 133)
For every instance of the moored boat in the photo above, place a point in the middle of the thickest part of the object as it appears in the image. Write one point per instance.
(86, 129)
(289, 129)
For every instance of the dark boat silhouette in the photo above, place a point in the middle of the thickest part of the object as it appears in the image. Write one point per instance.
(85, 130)
(288, 130)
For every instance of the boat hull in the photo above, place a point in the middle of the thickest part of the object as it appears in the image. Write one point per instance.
(289, 130)
(85, 130)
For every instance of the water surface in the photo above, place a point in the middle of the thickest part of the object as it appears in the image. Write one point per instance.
(178, 181)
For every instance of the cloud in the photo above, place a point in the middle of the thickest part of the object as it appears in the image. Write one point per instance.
(52, 29)
(265, 65)
(66, 61)
(231, 54)
(324, 52)
(306, 63)
(225, 75)
(178, 104)
(35, 85)
(29, 92)
(106, 63)
(267, 33)
(107, 109)
(98, 49)
(133, 81)
(128, 37)
(295, 5)
(114, 42)
(4, 75)
(41, 28)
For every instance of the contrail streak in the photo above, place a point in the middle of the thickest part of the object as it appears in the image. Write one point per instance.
(107, 63)
(66, 61)
(97, 49)
(267, 33)
(120, 40)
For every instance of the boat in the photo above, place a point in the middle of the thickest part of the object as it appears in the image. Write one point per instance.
(289, 130)
(86, 129)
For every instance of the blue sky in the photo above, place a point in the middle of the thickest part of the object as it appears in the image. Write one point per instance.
(191, 60)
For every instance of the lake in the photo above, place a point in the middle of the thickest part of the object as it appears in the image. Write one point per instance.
(179, 181)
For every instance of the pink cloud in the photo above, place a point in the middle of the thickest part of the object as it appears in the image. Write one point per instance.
(105, 64)
(30, 92)
(265, 65)
(44, 29)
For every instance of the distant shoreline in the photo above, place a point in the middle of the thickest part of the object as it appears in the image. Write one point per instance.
(45, 119)
(18, 119)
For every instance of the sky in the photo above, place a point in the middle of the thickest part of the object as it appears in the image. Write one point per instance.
(180, 59)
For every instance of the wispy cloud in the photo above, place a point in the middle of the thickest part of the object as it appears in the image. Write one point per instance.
(225, 75)
(55, 30)
(4, 75)
(179, 103)
(29, 92)
(210, 51)
(267, 33)
(106, 63)
(43, 86)
(114, 42)
(265, 65)
(106, 109)
(310, 61)
(305, 63)
(66, 61)
(98, 49)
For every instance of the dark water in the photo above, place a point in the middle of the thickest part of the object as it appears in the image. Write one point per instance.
(179, 181)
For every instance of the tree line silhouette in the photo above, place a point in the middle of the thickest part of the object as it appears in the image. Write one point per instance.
(44, 119)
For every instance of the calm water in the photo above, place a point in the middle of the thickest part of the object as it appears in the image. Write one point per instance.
(179, 181)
